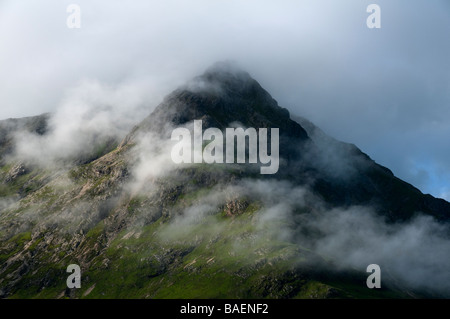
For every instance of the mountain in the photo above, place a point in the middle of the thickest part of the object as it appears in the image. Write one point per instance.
(140, 226)
(224, 95)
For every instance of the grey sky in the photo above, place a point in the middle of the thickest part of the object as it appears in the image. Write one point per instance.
(386, 90)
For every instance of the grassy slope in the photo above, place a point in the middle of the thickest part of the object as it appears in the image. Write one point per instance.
(218, 257)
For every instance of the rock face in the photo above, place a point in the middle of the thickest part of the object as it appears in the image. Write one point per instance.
(195, 231)
(15, 172)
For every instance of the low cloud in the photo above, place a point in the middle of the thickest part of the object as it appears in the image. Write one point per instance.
(414, 254)
(92, 115)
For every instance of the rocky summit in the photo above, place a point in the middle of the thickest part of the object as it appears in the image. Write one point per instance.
(140, 226)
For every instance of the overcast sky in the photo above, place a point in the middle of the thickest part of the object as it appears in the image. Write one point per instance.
(386, 90)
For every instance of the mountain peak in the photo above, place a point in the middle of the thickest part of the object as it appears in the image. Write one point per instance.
(228, 67)
(224, 94)
(226, 78)
(226, 72)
